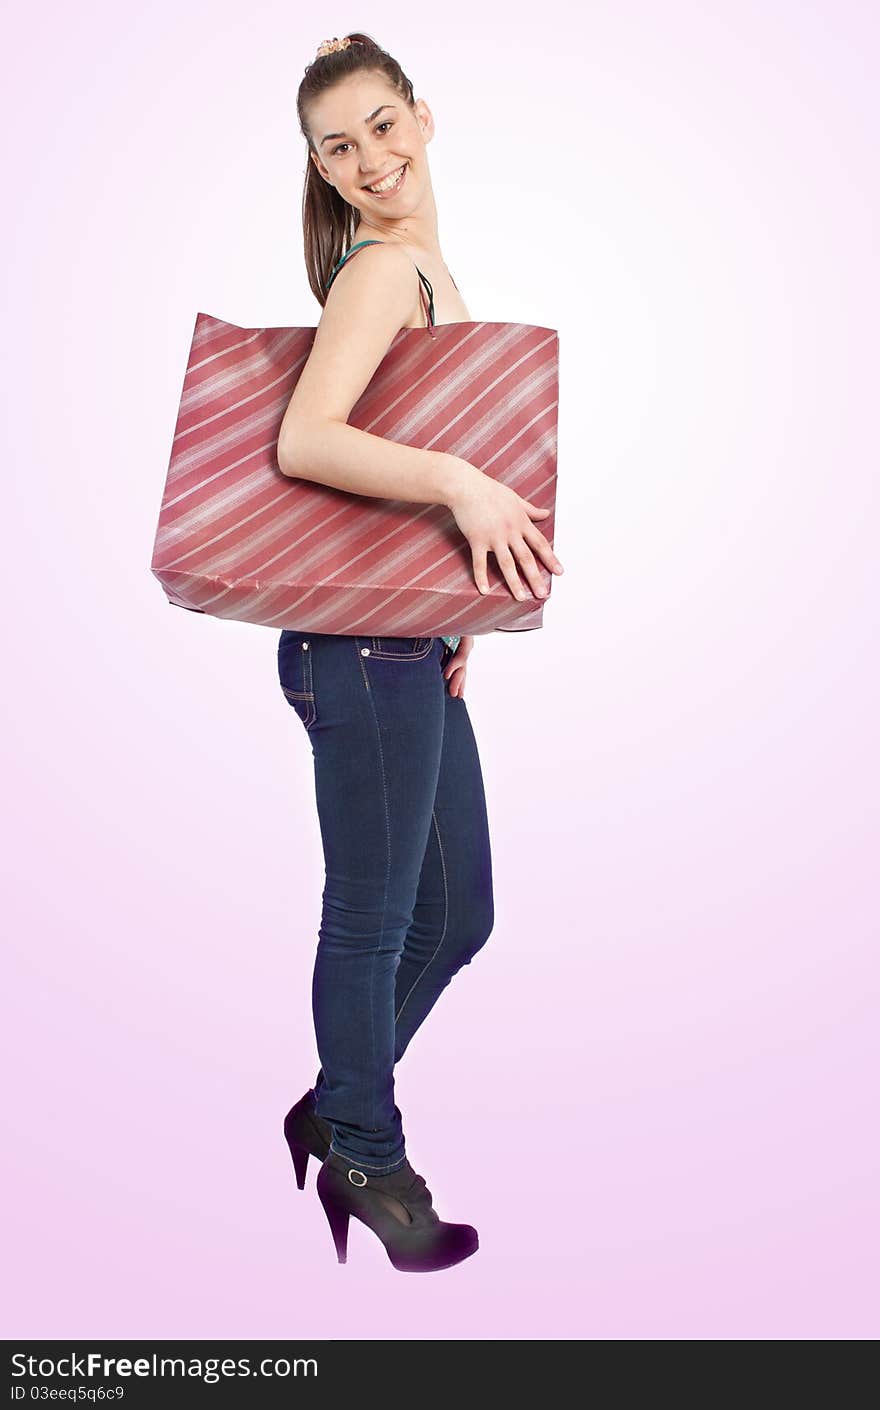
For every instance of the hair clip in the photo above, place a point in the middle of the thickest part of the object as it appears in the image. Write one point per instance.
(331, 46)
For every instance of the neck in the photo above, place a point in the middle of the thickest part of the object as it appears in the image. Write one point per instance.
(416, 231)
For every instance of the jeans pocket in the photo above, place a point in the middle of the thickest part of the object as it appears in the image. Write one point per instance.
(295, 674)
(400, 648)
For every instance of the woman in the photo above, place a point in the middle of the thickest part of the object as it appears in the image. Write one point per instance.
(408, 891)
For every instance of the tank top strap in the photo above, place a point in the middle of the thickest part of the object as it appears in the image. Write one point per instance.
(427, 300)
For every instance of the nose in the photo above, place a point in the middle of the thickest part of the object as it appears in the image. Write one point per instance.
(371, 161)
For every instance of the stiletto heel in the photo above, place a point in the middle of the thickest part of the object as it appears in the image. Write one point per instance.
(300, 1158)
(337, 1218)
(306, 1133)
(398, 1209)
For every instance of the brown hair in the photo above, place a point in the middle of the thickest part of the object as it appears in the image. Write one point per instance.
(328, 220)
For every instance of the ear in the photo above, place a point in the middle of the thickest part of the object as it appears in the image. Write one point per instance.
(319, 166)
(425, 119)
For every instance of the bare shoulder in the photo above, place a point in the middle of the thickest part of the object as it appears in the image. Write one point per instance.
(376, 284)
(376, 260)
(370, 300)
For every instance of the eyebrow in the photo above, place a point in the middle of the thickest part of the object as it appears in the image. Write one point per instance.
(332, 135)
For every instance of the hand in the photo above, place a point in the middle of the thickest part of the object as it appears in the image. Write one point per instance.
(495, 519)
(456, 667)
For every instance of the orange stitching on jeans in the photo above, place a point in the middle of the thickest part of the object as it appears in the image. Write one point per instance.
(445, 919)
(388, 847)
(402, 655)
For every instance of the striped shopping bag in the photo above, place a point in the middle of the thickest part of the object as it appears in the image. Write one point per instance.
(238, 539)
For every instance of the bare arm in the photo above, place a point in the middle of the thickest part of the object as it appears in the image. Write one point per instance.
(361, 463)
(370, 301)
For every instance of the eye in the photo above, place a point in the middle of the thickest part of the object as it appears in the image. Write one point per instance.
(388, 122)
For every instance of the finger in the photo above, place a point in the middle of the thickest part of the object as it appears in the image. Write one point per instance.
(535, 511)
(530, 569)
(480, 569)
(507, 564)
(536, 539)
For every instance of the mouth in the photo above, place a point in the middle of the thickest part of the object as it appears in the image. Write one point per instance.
(396, 180)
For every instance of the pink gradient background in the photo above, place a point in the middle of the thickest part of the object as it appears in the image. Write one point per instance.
(654, 1091)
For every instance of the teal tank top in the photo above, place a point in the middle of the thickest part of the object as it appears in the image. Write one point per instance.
(451, 641)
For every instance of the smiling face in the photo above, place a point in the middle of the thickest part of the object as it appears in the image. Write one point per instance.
(365, 135)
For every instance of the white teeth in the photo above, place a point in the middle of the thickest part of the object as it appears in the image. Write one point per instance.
(390, 181)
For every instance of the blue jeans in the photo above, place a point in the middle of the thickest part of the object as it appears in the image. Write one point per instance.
(408, 874)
